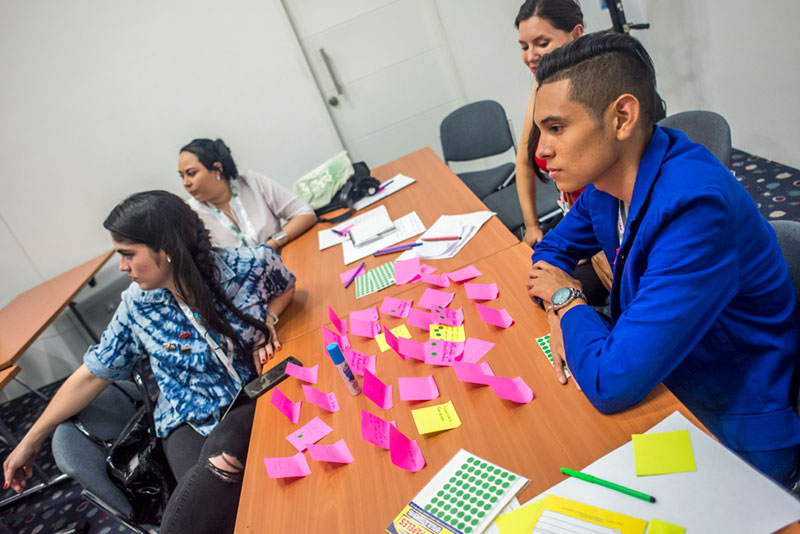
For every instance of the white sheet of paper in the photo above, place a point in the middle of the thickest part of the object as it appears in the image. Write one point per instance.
(327, 238)
(407, 226)
(398, 182)
(723, 495)
(466, 226)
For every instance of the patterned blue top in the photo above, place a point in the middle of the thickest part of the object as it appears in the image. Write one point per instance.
(195, 387)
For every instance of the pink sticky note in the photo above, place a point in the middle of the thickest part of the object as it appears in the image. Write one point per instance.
(329, 336)
(513, 389)
(419, 318)
(347, 275)
(426, 269)
(443, 352)
(391, 340)
(311, 432)
(474, 349)
(375, 430)
(338, 324)
(404, 452)
(481, 291)
(284, 405)
(306, 374)
(336, 453)
(433, 297)
(367, 314)
(291, 466)
(408, 348)
(440, 280)
(406, 271)
(323, 400)
(396, 307)
(413, 388)
(365, 328)
(377, 391)
(474, 373)
(358, 361)
(447, 317)
(467, 273)
(499, 318)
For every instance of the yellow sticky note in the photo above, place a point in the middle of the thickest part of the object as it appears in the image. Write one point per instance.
(657, 526)
(449, 333)
(401, 331)
(519, 521)
(436, 418)
(661, 453)
(381, 339)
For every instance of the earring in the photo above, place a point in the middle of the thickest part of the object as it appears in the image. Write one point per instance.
(169, 260)
(219, 176)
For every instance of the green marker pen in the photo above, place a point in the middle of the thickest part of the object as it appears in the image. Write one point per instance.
(607, 484)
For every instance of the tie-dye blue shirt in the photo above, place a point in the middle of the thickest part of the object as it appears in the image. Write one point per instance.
(195, 386)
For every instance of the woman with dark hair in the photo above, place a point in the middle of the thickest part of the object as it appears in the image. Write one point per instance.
(239, 209)
(205, 318)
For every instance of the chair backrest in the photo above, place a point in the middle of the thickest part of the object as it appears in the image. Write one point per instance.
(474, 131)
(788, 233)
(706, 128)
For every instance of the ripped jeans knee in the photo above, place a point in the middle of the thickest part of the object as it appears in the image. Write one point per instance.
(226, 467)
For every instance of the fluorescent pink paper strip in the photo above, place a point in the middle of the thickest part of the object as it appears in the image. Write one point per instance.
(447, 317)
(426, 269)
(391, 340)
(358, 361)
(375, 430)
(406, 271)
(467, 273)
(396, 307)
(367, 314)
(499, 318)
(408, 348)
(419, 318)
(481, 291)
(336, 453)
(433, 297)
(311, 432)
(329, 336)
(306, 374)
(377, 391)
(417, 388)
(323, 400)
(513, 389)
(345, 276)
(440, 280)
(364, 328)
(474, 373)
(404, 452)
(291, 466)
(285, 405)
(339, 324)
(443, 352)
(474, 349)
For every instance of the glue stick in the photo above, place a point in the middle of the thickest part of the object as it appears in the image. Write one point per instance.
(344, 370)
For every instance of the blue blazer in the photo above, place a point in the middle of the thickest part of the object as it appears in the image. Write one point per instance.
(701, 299)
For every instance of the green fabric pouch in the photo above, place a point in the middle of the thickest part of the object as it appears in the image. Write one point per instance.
(319, 186)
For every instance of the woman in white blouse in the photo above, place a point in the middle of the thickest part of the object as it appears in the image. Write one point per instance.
(239, 209)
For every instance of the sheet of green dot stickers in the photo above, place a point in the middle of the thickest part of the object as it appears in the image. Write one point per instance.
(375, 279)
(464, 497)
(544, 344)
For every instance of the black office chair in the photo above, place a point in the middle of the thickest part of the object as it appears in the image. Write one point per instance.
(706, 128)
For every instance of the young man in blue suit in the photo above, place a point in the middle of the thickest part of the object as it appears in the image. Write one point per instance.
(702, 299)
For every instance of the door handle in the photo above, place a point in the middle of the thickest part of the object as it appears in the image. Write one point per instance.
(327, 60)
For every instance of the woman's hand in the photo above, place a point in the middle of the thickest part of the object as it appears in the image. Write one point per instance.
(545, 279)
(533, 234)
(18, 466)
(266, 351)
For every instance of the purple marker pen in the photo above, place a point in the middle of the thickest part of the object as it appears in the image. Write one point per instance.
(353, 386)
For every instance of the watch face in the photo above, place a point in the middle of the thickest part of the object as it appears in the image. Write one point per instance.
(561, 296)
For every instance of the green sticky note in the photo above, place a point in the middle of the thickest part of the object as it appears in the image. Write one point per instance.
(657, 526)
(520, 520)
(662, 453)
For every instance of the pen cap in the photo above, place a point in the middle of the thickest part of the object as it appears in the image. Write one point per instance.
(335, 353)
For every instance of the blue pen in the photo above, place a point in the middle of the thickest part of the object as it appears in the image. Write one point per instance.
(385, 185)
(337, 232)
(396, 249)
(355, 273)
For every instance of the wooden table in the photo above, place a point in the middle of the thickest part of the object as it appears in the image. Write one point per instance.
(438, 192)
(24, 318)
(559, 427)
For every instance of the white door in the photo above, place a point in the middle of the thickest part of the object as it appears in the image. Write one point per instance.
(384, 70)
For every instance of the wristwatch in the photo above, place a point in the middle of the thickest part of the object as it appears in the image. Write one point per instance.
(274, 317)
(280, 238)
(564, 296)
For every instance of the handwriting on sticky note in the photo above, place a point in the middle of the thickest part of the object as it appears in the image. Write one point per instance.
(432, 298)
(405, 453)
(436, 418)
(306, 374)
(419, 318)
(475, 349)
(292, 466)
(396, 307)
(443, 352)
(375, 430)
(377, 391)
(481, 291)
(417, 388)
(401, 330)
(660, 453)
(311, 432)
(336, 453)
(467, 273)
(284, 405)
(448, 333)
(447, 317)
(406, 271)
(358, 361)
(323, 400)
(494, 317)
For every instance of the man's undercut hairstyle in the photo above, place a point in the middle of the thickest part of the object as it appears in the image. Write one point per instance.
(601, 67)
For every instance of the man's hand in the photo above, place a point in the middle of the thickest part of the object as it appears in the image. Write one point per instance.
(545, 279)
(557, 347)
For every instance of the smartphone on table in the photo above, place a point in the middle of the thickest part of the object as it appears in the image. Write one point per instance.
(270, 379)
